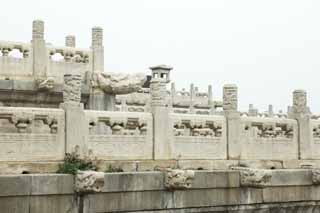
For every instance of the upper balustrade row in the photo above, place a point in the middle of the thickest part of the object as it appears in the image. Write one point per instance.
(40, 60)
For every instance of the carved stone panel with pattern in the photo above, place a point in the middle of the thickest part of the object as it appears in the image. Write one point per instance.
(119, 135)
(31, 134)
(198, 136)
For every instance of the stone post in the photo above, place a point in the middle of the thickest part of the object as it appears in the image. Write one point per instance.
(70, 41)
(39, 51)
(97, 49)
(76, 127)
(230, 108)
(270, 111)
(301, 113)
(210, 101)
(99, 100)
(163, 147)
(192, 97)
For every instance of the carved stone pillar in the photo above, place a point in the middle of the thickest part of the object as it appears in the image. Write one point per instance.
(40, 54)
(163, 147)
(99, 100)
(230, 108)
(76, 126)
(300, 111)
(97, 49)
(70, 41)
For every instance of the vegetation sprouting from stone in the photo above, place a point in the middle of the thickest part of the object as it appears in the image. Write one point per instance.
(72, 163)
(111, 169)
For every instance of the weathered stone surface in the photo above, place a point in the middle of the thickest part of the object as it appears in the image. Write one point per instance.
(156, 165)
(12, 185)
(316, 176)
(89, 181)
(17, 204)
(255, 177)
(118, 83)
(216, 179)
(142, 181)
(130, 201)
(179, 179)
(52, 184)
(291, 177)
(53, 204)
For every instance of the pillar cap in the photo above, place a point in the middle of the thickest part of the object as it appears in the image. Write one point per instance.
(161, 67)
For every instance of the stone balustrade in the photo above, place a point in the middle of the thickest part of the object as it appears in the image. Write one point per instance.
(31, 134)
(119, 135)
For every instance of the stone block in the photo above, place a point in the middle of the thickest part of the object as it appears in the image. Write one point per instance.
(261, 164)
(291, 177)
(289, 194)
(126, 166)
(49, 184)
(142, 181)
(224, 164)
(24, 85)
(216, 197)
(157, 165)
(53, 204)
(216, 179)
(128, 201)
(195, 164)
(32, 167)
(6, 84)
(14, 204)
(12, 185)
(298, 164)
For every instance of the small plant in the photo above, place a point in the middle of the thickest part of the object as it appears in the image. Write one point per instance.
(112, 169)
(72, 163)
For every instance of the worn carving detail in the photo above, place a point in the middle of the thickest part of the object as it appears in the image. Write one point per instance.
(198, 128)
(255, 177)
(179, 179)
(300, 101)
(125, 126)
(275, 130)
(22, 121)
(118, 83)
(230, 97)
(38, 29)
(158, 92)
(45, 84)
(97, 36)
(72, 88)
(316, 131)
(316, 176)
(89, 181)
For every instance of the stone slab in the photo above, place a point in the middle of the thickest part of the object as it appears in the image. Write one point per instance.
(14, 204)
(291, 177)
(216, 197)
(128, 201)
(142, 181)
(156, 165)
(6, 84)
(216, 179)
(52, 184)
(11, 185)
(53, 204)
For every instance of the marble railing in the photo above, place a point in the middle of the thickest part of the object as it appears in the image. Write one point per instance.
(15, 59)
(30, 134)
(268, 138)
(119, 135)
(198, 136)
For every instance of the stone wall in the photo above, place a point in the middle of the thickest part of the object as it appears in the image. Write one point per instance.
(173, 191)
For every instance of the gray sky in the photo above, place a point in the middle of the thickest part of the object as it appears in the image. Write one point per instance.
(268, 48)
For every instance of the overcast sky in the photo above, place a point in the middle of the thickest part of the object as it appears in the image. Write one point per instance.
(268, 48)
